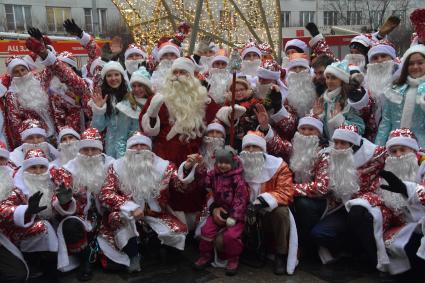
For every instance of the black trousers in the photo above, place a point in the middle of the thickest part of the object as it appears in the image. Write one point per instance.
(12, 269)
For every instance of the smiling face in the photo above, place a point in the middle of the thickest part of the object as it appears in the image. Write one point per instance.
(138, 90)
(113, 78)
(241, 92)
(332, 82)
(416, 65)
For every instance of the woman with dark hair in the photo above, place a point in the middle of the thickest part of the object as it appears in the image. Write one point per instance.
(404, 105)
(112, 90)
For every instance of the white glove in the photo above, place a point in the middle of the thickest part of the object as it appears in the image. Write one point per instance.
(223, 114)
(155, 106)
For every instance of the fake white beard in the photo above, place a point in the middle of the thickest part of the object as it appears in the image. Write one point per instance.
(343, 178)
(6, 183)
(139, 177)
(209, 145)
(57, 86)
(133, 65)
(262, 90)
(42, 183)
(44, 146)
(68, 151)
(205, 63)
(356, 59)
(250, 67)
(301, 92)
(161, 72)
(218, 80)
(304, 153)
(379, 76)
(90, 172)
(186, 100)
(404, 167)
(30, 94)
(253, 163)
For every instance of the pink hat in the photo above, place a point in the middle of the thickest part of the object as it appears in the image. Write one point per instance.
(403, 137)
(35, 157)
(139, 138)
(348, 133)
(90, 138)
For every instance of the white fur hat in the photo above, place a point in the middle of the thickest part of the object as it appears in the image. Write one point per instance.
(381, 49)
(339, 70)
(348, 133)
(254, 49)
(16, 62)
(253, 138)
(185, 64)
(67, 131)
(216, 127)
(311, 121)
(218, 58)
(298, 62)
(142, 76)
(418, 48)
(168, 47)
(134, 49)
(113, 66)
(403, 137)
(139, 138)
(297, 43)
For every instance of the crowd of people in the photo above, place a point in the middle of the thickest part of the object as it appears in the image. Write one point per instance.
(325, 157)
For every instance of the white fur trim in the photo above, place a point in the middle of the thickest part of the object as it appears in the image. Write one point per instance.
(311, 121)
(267, 74)
(168, 49)
(337, 72)
(96, 109)
(251, 49)
(96, 62)
(146, 125)
(365, 153)
(165, 234)
(90, 143)
(362, 103)
(129, 206)
(252, 139)
(216, 127)
(292, 259)
(50, 59)
(155, 105)
(67, 131)
(135, 77)
(85, 39)
(19, 217)
(346, 135)
(221, 58)
(16, 62)
(134, 50)
(190, 177)
(139, 139)
(3, 90)
(223, 114)
(68, 60)
(34, 161)
(33, 131)
(4, 153)
(409, 142)
(185, 64)
(279, 115)
(298, 62)
(270, 133)
(314, 40)
(419, 48)
(115, 66)
(297, 43)
(271, 201)
(112, 253)
(381, 49)
(70, 211)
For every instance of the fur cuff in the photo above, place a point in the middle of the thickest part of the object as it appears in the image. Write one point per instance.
(146, 125)
(19, 217)
(50, 59)
(65, 212)
(223, 114)
(96, 109)
(271, 201)
(280, 115)
(315, 40)
(155, 105)
(190, 177)
(270, 133)
(85, 39)
(129, 206)
(362, 103)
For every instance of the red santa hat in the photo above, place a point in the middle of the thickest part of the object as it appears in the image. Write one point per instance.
(185, 64)
(98, 62)
(417, 17)
(168, 47)
(250, 47)
(90, 138)
(68, 58)
(31, 127)
(139, 138)
(113, 66)
(35, 157)
(403, 136)
(14, 61)
(348, 133)
(135, 49)
(339, 70)
(269, 69)
(382, 47)
(418, 48)
(216, 127)
(3, 150)
(296, 43)
(311, 120)
(298, 60)
(254, 138)
(67, 131)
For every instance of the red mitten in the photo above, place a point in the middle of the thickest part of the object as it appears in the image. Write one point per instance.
(47, 40)
(35, 45)
(418, 21)
(6, 80)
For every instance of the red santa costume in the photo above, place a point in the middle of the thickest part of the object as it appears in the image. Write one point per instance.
(85, 176)
(5, 130)
(27, 129)
(177, 117)
(33, 233)
(140, 179)
(27, 96)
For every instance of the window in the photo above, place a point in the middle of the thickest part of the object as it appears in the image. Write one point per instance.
(55, 18)
(330, 18)
(286, 18)
(354, 17)
(18, 18)
(102, 20)
(306, 17)
(88, 20)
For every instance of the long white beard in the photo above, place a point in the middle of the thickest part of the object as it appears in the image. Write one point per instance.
(218, 80)
(42, 183)
(250, 67)
(186, 100)
(262, 90)
(343, 178)
(57, 86)
(68, 151)
(209, 146)
(90, 172)
(30, 94)
(404, 167)
(301, 92)
(6, 183)
(132, 65)
(161, 72)
(253, 163)
(355, 59)
(205, 62)
(44, 146)
(304, 154)
(379, 77)
(139, 177)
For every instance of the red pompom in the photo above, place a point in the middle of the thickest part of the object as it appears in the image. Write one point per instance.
(418, 21)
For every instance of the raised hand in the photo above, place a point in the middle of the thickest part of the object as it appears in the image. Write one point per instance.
(34, 204)
(395, 185)
(312, 28)
(98, 99)
(72, 28)
(36, 33)
(64, 194)
(262, 116)
(319, 106)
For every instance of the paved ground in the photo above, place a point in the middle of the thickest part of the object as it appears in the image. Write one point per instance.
(178, 270)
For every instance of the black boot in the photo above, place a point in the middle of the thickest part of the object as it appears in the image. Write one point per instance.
(279, 264)
(85, 273)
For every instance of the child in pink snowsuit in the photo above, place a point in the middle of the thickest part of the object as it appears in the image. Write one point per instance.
(230, 195)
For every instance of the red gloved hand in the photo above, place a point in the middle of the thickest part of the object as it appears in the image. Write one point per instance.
(35, 45)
